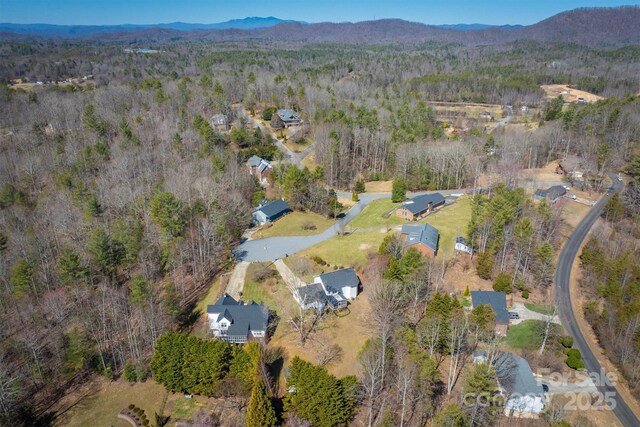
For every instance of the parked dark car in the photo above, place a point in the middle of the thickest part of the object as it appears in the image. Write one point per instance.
(513, 315)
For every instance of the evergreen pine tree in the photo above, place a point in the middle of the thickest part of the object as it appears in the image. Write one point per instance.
(260, 411)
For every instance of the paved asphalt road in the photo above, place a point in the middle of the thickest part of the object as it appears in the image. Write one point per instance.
(565, 311)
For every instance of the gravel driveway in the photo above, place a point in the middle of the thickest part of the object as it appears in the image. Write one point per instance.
(526, 314)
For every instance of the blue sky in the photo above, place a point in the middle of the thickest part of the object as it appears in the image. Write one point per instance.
(209, 11)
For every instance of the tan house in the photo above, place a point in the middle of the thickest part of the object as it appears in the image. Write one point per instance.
(260, 168)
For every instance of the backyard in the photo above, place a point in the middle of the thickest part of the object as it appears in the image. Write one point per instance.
(100, 406)
(296, 224)
(451, 221)
(350, 250)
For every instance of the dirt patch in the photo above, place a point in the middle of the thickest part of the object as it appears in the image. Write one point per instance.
(569, 93)
(378, 186)
(364, 246)
(546, 173)
(463, 274)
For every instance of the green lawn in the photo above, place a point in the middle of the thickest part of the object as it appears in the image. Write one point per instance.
(293, 224)
(101, 407)
(540, 308)
(271, 291)
(347, 251)
(526, 335)
(378, 213)
(451, 221)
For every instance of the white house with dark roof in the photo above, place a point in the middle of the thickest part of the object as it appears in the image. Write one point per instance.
(269, 211)
(331, 289)
(260, 168)
(424, 237)
(233, 321)
(462, 245)
(524, 394)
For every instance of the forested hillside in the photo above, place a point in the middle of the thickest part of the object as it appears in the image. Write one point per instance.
(120, 203)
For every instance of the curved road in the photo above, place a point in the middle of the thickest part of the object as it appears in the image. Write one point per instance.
(565, 310)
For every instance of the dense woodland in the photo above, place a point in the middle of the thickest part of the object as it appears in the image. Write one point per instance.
(119, 203)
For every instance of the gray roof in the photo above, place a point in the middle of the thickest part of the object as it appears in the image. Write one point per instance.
(274, 208)
(336, 280)
(421, 203)
(497, 301)
(312, 293)
(255, 161)
(421, 233)
(552, 192)
(288, 115)
(514, 375)
(263, 165)
(244, 318)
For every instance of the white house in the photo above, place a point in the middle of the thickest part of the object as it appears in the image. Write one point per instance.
(463, 246)
(524, 395)
(331, 289)
(236, 322)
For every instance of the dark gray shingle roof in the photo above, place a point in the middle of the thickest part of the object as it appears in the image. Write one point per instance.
(312, 293)
(244, 318)
(274, 208)
(515, 376)
(497, 301)
(336, 280)
(552, 192)
(421, 233)
(420, 204)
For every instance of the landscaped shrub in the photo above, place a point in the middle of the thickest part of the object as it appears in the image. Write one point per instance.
(318, 260)
(525, 294)
(566, 341)
(574, 352)
(575, 363)
(131, 406)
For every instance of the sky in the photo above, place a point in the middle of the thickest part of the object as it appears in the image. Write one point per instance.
(100, 12)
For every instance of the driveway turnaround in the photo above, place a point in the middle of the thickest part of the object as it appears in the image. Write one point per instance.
(526, 314)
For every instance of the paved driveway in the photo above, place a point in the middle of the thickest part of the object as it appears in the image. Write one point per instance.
(236, 280)
(526, 314)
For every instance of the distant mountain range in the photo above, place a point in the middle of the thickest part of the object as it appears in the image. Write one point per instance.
(588, 26)
(48, 30)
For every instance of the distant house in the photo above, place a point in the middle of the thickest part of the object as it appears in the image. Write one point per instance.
(269, 211)
(463, 246)
(420, 206)
(498, 303)
(235, 322)
(480, 356)
(486, 115)
(552, 194)
(219, 122)
(524, 395)
(423, 237)
(331, 290)
(260, 168)
(285, 118)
